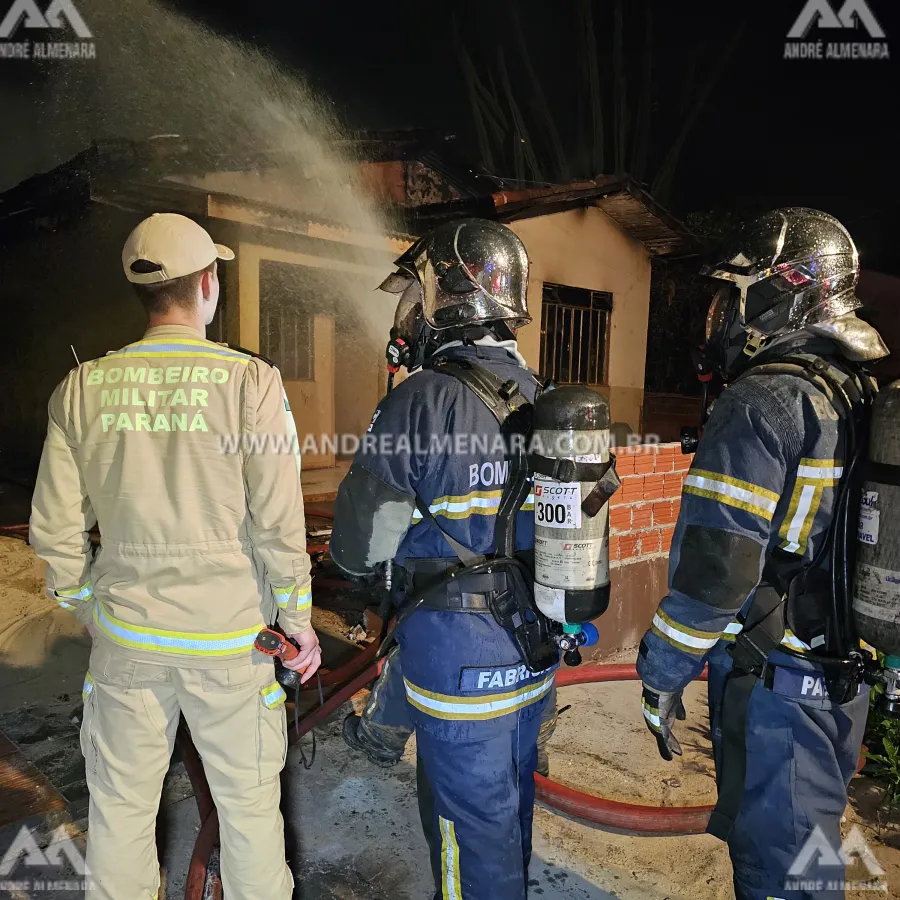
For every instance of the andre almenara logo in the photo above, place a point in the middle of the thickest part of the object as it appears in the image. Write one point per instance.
(825, 30)
(45, 29)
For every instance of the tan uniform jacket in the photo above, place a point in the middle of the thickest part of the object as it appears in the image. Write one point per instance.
(185, 453)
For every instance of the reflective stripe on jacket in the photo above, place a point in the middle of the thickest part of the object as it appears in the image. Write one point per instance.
(203, 534)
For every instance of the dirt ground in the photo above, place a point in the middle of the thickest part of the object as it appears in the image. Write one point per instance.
(357, 826)
(43, 649)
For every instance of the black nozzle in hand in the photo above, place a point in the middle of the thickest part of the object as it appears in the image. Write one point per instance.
(690, 439)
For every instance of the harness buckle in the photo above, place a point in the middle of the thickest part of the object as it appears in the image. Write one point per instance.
(748, 656)
(564, 470)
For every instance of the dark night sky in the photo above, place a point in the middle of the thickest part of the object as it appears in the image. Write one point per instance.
(774, 132)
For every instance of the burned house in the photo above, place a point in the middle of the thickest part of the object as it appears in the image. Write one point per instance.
(309, 254)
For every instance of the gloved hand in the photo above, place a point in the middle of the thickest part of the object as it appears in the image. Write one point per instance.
(308, 660)
(661, 709)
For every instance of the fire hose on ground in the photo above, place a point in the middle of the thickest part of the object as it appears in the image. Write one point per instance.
(204, 884)
(630, 818)
(353, 676)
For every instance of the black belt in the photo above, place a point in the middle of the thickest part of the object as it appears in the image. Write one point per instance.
(463, 602)
(842, 678)
(446, 593)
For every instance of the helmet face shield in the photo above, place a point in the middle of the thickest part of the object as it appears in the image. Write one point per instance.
(722, 312)
(408, 315)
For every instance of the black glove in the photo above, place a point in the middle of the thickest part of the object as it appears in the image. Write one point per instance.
(661, 709)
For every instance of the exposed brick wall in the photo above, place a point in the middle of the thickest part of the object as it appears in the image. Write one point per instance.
(643, 511)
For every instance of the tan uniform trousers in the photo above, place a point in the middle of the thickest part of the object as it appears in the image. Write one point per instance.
(237, 721)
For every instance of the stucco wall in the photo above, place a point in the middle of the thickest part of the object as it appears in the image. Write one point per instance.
(584, 248)
(349, 376)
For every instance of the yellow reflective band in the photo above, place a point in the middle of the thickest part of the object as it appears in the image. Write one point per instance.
(64, 605)
(163, 354)
(789, 639)
(805, 502)
(827, 470)
(181, 642)
(737, 483)
(813, 475)
(731, 492)
(482, 503)
(194, 342)
(283, 596)
(651, 714)
(82, 593)
(687, 639)
(88, 686)
(176, 347)
(450, 885)
(488, 706)
(273, 695)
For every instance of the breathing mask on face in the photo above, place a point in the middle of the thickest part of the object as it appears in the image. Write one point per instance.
(406, 347)
(729, 343)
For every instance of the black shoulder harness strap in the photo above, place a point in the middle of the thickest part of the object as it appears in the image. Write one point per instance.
(506, 403)
(850, 392)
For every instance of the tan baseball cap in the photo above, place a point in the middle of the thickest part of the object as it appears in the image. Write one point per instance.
(176, 244)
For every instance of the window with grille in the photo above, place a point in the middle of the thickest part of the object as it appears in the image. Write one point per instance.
(574, 330)
(285, 319)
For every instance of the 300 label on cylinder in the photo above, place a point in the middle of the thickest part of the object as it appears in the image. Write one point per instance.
(557, 504)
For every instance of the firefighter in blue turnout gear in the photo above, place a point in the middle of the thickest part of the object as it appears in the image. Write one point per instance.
(758, 582)
(386, 723)
(436, 490)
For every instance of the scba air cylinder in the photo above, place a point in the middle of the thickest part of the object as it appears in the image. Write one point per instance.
(571, 547)
(876, 587)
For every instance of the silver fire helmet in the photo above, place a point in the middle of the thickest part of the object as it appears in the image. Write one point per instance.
(788, 269)
(471, 271)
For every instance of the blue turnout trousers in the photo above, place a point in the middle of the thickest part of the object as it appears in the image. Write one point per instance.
(801, 751)
(477, 711)
(476, 800)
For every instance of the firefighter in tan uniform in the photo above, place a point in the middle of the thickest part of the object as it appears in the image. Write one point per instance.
(163, 443)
